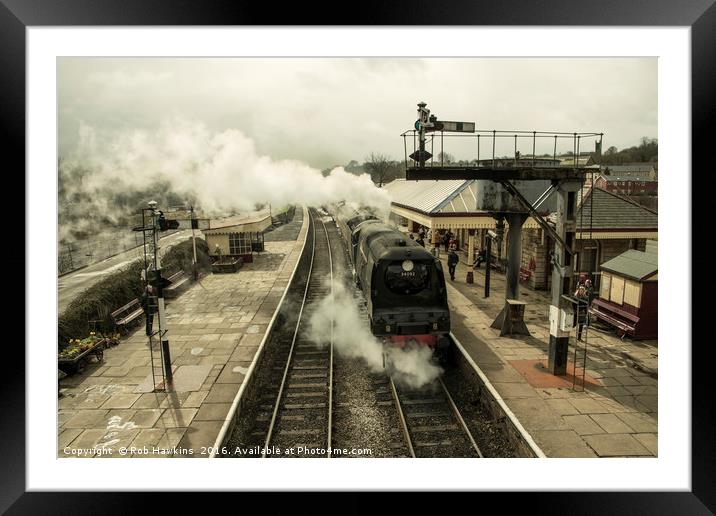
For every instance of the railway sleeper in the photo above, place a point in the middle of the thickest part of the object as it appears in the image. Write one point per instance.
(305, 394)
(418, 415)
(433, 444)
(303, 376)
(297, 406)
(430, 401)
(302, 431)
(435, 428)
(297, 417)
(307, 385)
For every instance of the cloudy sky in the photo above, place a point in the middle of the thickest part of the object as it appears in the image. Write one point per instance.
(325, 112)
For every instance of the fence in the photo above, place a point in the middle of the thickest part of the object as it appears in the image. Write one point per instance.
(75, 255)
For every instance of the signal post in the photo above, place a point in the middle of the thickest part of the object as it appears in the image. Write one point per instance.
(513, 189)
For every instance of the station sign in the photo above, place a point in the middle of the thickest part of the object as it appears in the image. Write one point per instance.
(454, 127)
(196, 223)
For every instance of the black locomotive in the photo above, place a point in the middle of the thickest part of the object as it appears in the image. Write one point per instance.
(403, 283)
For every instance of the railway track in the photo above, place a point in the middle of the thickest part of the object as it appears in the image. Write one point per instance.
(297, 413)
(431, 424)
(318, 405)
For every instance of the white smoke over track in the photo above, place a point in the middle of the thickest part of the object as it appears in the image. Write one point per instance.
(222, 172)
(338, 315)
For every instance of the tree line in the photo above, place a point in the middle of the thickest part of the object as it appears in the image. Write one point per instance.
(384, 169)
(646, 152)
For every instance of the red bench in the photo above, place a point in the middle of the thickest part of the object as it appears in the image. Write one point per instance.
(525, 274)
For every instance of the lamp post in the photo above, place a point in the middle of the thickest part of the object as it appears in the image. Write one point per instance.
(194, 267)
(159, 287)
(491, 235)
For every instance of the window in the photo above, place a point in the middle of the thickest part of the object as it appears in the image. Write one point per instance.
(605, 287)
(617, 291)
(632, 293)
(239, 243)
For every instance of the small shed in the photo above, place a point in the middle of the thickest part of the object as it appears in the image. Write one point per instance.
(628, 293)
(238, 236)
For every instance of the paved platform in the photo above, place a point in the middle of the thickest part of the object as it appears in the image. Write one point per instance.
(215, 329)
(617, 413)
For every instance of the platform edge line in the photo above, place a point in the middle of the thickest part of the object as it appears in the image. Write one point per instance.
(228, 421)
(496, 395)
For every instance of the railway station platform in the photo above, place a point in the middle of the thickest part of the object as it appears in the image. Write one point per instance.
(215, 329)
(616, 414)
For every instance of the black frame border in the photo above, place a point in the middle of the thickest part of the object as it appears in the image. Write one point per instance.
(699, 15)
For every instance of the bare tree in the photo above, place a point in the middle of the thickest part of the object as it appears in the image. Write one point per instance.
(445, 157)
(378, 166)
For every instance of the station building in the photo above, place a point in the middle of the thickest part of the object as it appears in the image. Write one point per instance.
(607, 225)
(238, 236)
(628, 294)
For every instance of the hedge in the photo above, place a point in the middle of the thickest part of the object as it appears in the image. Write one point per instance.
(119, 288)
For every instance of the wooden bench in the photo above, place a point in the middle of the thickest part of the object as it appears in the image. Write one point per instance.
(620, 319)
(124, 316)
(179, 281)
(496, 266)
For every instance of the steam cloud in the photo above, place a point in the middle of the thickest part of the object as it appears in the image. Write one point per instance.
(411, 366)
(221, 171)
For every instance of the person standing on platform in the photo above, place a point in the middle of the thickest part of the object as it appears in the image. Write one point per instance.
(589, 288)
(580, 313)
(453, 260)
(436, 244)
(446, 240)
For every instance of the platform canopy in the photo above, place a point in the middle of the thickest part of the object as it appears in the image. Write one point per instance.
(441, 204)
(251, 223)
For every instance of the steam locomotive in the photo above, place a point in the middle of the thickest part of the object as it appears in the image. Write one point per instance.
(403, 284)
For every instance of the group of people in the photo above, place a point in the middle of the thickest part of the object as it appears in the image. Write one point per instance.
(421, 237)
(584, 292)
(446, 239)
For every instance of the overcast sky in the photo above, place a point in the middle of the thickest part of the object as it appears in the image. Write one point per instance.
(326, 112)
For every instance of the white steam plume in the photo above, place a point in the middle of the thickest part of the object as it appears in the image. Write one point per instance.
(221, 171)
(411, 366)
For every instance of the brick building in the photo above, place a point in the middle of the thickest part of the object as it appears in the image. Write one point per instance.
(631, 170)
(642, 188)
